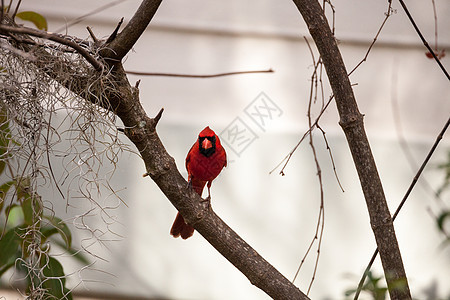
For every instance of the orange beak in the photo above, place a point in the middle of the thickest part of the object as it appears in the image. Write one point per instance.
(206, 144)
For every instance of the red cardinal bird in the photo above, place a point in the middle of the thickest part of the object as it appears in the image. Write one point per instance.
(204, 162)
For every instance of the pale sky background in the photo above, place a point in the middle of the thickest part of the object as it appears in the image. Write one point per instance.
(276, 215)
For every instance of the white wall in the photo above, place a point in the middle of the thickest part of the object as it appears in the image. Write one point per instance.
(276, 215)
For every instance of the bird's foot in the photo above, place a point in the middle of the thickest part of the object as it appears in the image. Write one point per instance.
(207, 201)
(189, 184)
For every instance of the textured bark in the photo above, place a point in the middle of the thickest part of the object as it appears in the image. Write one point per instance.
(162, 169)
(351, 121)
(123, 100)
(125, 40)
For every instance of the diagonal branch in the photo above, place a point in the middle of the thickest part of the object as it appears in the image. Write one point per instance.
(123, 100)
(351, 121)
(160, 166)
(424, 41)
(125, 40)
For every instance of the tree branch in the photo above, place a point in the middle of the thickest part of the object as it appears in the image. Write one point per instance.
(424, 41)
(123, 100)
(125, 40)
(160, 166)
(198, 76)
(351, 121)
(405, 197)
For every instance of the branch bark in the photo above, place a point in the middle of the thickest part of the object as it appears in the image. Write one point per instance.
(351, 121)
(161, 167)
(125, 40)
(141, 130)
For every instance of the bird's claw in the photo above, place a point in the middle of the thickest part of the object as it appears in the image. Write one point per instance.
(189, 184)
(207, 200)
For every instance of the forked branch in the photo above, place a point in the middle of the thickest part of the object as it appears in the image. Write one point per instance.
(116, 49)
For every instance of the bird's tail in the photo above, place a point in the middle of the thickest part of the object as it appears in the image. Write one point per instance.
(180, 228)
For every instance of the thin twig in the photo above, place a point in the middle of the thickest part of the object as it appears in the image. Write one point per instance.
(422, 167)
(331, 156)
(91, 13)
(316, 122)
(2, 11)
(387, 15)
(114, 33)
(47, 144)
(9, 6)
(16, 10)
(198, 76)
(424, 41)
(127, 38)
(91, 33)
(288, 157)
(315, 79)
(321, 218)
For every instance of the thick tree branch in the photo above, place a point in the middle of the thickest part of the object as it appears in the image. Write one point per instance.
(161, 167)
(123, 100)
(351, 121)
(125, 40)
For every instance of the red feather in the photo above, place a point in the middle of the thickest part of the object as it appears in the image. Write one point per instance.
(204, 162)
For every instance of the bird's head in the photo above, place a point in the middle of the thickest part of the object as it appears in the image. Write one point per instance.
(207, 141)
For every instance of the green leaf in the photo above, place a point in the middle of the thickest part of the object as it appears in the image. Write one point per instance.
(6, 267)
(37, 19)
(27, 208)
(23, 188)
(8, 247)
(55, 281)
(2, 165)
(32, 209)
(3, 190)
(57, 226)
(14, 214)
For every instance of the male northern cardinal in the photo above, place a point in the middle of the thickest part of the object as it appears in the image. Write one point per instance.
(204, 162)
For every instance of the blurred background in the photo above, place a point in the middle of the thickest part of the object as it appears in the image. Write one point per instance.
(403, 94)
